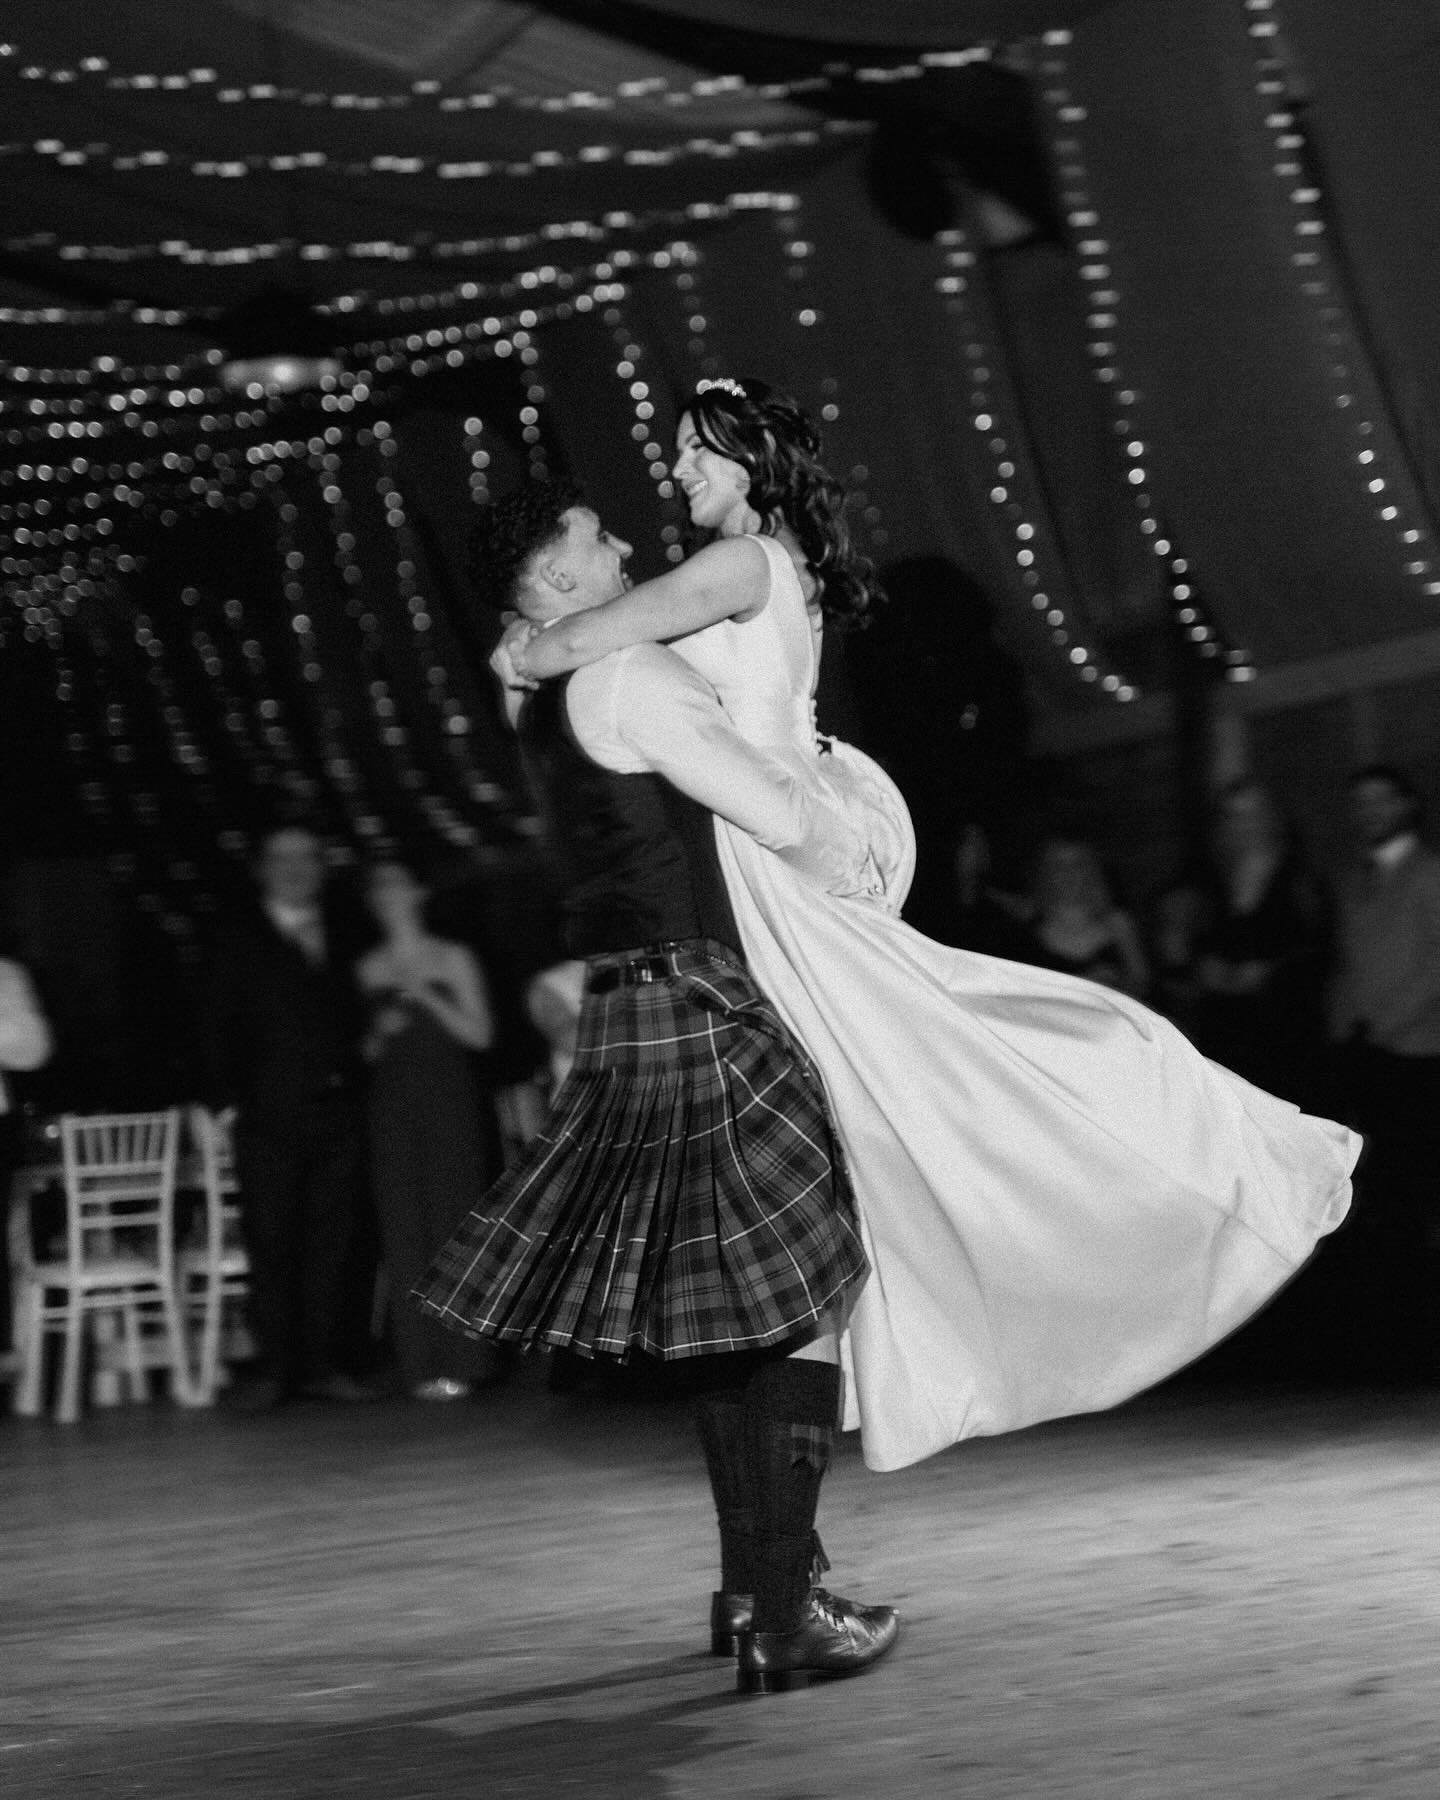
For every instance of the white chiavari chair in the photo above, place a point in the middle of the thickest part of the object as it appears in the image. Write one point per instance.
(116, 1265)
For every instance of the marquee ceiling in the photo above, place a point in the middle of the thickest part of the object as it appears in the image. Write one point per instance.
(163, 159)
(168, 157)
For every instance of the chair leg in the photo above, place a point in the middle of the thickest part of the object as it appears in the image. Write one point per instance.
(26, 1398)
(106, 1333)
(237, 1341)
(183, 1390)
(67, 1409)
(129, 1309)
(209, 1371)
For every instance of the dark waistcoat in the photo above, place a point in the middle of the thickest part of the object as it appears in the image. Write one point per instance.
(637, 857)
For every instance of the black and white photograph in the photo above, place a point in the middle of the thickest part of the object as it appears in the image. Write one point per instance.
(719, 899)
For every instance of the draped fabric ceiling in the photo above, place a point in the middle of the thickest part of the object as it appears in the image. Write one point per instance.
(1237, 235)
(595, 110)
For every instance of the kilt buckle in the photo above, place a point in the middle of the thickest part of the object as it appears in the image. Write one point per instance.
(635, 972)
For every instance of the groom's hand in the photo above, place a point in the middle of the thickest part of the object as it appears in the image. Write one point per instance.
(507, 658)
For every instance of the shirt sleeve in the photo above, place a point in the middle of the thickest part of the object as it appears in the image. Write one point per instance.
(24, 1033)
(645, 710)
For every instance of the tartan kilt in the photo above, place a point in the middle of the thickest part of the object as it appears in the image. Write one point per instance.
(686, 1195)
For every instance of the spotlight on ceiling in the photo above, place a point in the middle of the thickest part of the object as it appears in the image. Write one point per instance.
(276, 341)
(278, 373)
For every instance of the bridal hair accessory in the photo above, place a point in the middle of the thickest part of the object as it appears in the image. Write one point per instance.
(724, 382)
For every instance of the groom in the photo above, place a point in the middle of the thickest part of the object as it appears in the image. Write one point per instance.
(631, 758)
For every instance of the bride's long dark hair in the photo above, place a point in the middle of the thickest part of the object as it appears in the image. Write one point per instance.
(777, 443)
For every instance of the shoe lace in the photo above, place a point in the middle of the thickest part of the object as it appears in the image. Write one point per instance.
(830, 1608)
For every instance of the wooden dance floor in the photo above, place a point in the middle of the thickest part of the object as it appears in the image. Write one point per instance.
(1210, 1593)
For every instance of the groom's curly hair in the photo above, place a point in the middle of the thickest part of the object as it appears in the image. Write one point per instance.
(510, 531)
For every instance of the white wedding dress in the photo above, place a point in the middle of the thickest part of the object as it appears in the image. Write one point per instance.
(1062, 1200)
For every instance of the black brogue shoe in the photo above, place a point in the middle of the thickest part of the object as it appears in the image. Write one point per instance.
(836, 1638)
(729, 1621)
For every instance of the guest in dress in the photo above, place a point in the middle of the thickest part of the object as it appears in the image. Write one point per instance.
(1258, 950)
(1075, 924)
(283, 1030)
(432, 1134)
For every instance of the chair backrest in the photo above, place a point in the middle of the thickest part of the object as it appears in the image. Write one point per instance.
(212, 1136)
(119, 1175)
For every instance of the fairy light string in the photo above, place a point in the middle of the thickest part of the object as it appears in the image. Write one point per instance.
(451, 722)
(255, 719)
(208, 84)
(686, 268)
(101, 157)
(114, 387)
(1066, 117)
(630, 365)
(477, 459)
(1029, 553)
(598, 233)
(232, 711)
(798, 247)
(1381, 470)
(119, 763)
(341, 773)
(334, 523)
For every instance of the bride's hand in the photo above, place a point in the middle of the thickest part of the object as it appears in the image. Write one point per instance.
(507, 660)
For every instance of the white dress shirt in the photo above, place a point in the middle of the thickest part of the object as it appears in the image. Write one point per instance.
(644, 710)
(302, 926)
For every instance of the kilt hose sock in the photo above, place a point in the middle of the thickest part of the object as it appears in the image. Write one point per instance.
(790, 1412)
(720, 1420)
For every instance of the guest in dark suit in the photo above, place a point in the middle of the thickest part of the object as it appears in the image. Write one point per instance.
(1385, 1017)
(285, 1027)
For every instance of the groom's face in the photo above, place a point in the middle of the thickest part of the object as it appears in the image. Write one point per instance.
(588, 562)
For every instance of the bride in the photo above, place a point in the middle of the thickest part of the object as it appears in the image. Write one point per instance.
(1062, 1200)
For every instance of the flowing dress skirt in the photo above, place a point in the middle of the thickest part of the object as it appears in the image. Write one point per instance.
(1062, 1200)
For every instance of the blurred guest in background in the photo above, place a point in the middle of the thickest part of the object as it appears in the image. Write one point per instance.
(283, 1029)
(941, 705)
(553, 1000)
(1247, 956)
(984, 916)
(432, 1135)
(24, 1044)
(1385, 1014)
(1075, 924)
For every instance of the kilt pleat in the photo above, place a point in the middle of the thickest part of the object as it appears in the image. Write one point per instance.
(685, 1196)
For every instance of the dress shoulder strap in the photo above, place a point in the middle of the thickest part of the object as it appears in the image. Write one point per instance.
(779, 558)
